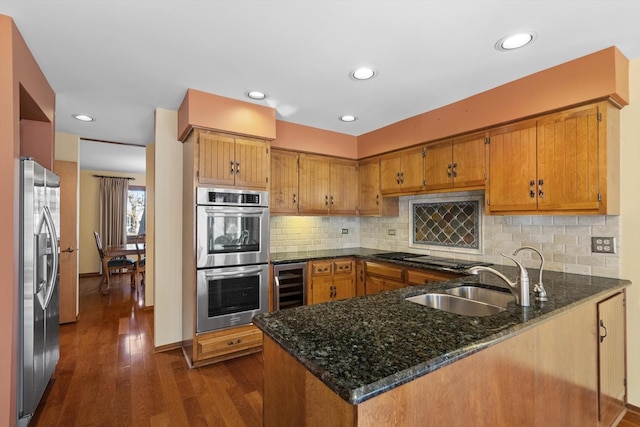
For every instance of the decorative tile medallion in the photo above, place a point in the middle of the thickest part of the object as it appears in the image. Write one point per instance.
(453, 224)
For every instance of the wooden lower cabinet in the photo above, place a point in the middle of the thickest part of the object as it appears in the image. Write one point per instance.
(545, 375)
(331, 280)
(226, 344)
(381, 276)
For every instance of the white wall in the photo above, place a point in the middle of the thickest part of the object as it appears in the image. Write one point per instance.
(167, 261)
(630, 224)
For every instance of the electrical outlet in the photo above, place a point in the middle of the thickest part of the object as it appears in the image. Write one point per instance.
(391, 232)
(345, 231)
(603, 245)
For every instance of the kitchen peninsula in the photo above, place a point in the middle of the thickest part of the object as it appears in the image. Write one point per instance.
(382, 360)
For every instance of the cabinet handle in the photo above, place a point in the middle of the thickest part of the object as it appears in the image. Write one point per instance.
(532, 185)
(401, 177)
(602, 337)
(449, 170)
(294, 199)
(540, 184)
(237, 168)
(397, 177)
(377, 200)
(331, 200)
(326, 200)
(455, 170)
(232, 171)
(232, 342)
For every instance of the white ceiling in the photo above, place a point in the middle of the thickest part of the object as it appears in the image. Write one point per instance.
(119, 60)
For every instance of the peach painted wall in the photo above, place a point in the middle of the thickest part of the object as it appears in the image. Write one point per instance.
(34, 142)
(18, 69)
(201, 109)
(596, 76)
(313, 140)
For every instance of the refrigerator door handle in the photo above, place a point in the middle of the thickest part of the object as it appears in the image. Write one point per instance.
(51, 282)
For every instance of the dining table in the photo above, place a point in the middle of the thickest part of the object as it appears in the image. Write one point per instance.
(124, 250)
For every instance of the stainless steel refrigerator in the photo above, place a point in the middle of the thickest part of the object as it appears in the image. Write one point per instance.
(39, 285)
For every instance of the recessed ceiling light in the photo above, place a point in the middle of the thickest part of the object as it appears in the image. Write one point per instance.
(515, 41)
(363, 73)
(254, 94)
(83, 117)
(348, 118)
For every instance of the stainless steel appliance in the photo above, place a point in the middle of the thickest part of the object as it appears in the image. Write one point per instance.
(232, 255)
(289, 285)
(38, 283)
(232, 227)
(231, 296)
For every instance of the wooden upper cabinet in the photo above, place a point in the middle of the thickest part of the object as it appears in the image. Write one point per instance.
(284, 182)
(563, 162)
(512, 169)
(402, 172)
(327, 185)
(568, 161)
(455, 164)
(438, 166)
(469, 163)
(371, 202)
(232, 162)
(313, 184)
(343, 194)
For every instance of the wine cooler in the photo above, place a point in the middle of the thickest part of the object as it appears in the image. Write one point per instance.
(289, 285)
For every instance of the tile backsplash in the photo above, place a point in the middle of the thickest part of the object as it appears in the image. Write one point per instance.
(565, 241)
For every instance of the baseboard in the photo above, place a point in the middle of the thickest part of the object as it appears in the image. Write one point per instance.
(633, 408)
(167, 347)
(84, 275)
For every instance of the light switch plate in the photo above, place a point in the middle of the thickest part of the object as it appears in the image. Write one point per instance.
(603, 245)
(345, 231)
(391, 232)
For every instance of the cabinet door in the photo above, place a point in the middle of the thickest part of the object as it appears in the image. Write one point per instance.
(216, 163)
(568, 161)
(374, 284)
(343, 195)
(468, 167)
(438, 166)
(284, 182)
(251, 164)
(611, 358)
(321, 289)
(412, 170)
(314, 185)
(369, 184)
(390, 174)
(512, 168)
(344, 286)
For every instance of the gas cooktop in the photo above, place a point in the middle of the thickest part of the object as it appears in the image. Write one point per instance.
(430, 260)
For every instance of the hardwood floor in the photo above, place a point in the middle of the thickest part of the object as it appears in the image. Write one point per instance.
(109, 374)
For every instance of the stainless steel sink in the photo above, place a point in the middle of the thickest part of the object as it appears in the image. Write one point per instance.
(487, 296)
(455, 304)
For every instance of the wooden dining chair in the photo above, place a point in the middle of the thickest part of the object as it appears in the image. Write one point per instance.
(142, 260)
(113, 264)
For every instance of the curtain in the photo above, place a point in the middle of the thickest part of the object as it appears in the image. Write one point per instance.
(113, 210)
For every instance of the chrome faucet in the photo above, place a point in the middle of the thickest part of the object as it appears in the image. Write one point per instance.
(539, 292)
(519, 288)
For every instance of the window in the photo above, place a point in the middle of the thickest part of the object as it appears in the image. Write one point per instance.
(136, 197)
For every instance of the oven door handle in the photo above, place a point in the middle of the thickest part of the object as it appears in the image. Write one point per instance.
(237, 273)
(229, 212)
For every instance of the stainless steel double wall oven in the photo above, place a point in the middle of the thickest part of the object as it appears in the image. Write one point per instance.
(232, 256)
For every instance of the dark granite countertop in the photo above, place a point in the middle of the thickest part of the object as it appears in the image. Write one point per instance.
(364, 346)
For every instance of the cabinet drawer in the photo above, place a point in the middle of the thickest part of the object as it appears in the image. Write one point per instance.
(342, 267)
(422, 277)
(320, 268)
(386, 270)
(229, 341)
